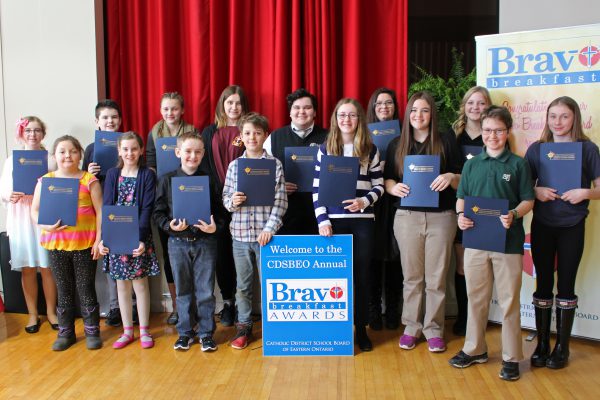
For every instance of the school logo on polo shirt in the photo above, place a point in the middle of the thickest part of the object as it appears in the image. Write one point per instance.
(506, 177)
(307, 300)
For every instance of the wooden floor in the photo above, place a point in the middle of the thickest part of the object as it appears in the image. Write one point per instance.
(30, 369)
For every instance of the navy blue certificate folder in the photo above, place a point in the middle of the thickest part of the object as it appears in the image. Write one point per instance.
(256, 179)
(28, 167)
(58, 200)
(560, 166)
(470, 151)
(120, 229)
(337, 180)
(191, 198)
(300, 166)
(166, 160)
(487, 232)
(419, 172)
(383, 133)
(106, 150)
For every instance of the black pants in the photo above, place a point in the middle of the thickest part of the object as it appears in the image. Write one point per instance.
(74, 269)
(362, 244)
(164, 244)
(226, 277)
(563, 245)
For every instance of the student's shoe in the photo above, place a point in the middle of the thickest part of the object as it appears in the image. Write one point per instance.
(364, 343)
(35, 328)
(208, 344)
(242, 338)
(228, 314)
(123, 340)
(436, 345)
(183, 343)
(146, 340)
(463, 360)
(63, 342)
(113, 318)
(173, 318)
(509, 371)
(407, 342)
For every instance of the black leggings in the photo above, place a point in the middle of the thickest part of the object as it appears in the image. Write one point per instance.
(70, 269)
(565, 245)
(225, 271)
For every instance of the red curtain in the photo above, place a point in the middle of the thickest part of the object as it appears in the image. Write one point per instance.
(333, 48)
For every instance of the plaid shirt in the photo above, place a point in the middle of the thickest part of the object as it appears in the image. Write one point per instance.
(248, 222)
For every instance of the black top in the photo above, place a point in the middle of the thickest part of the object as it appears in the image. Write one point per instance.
(163, 206)
(465, 140)
(559, 213)
(451, 162)
(299, 217)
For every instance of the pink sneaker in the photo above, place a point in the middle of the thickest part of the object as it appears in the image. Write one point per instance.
(123, 341)
(436, 345)
(408, 342)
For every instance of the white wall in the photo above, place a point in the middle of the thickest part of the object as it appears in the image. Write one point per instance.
(48, 69)
(519, 15)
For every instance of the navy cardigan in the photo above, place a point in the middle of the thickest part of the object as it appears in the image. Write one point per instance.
(145, 188)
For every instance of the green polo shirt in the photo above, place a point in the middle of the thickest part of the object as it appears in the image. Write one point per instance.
(504, 177)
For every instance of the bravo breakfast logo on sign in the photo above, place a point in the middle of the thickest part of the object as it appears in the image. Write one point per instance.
(575, 63)
(307, 296)
(307, 300)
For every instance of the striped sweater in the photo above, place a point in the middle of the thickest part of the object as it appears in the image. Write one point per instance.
(369, 188)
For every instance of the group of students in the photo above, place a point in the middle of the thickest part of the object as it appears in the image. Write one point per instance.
(228, 245)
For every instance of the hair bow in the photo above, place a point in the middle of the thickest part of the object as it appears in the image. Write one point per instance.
(21, 125)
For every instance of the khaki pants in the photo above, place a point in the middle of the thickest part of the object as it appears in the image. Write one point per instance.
(482, 269)
(425, 240)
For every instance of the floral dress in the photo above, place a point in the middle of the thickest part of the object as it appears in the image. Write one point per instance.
(125, 266)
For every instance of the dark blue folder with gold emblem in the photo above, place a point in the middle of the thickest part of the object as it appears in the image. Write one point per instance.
(256, 179)
(106, 152)
(58, 200)
(419, 173)
(299, 166)
(470, 151)
(191, 198)
(487, 232)
(120, 229)
(28, 167)
(166, 160)
(337, 180)
(560, 166)
(383, 133)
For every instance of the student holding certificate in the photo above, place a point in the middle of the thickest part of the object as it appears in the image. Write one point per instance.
(467, 129)
(558, 231)
(132, 184)
(24, 236)
(223, 144)
(349, 137)
(171, 124)
(108, 119)
(385, 264)
(425, 234)
(496, 173)
(73, 250)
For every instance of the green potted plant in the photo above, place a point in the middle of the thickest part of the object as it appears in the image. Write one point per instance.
(447, 93)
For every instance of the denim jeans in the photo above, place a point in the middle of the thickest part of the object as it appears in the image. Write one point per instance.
(247, 257)
(193, 264)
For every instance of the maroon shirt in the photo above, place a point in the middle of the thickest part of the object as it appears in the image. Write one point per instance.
(226, 146)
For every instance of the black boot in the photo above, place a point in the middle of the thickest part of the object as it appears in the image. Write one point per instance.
(543, 316)
(66, 329)
(364, 343)
(565, 314)
(460, 286)
(91, 326)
